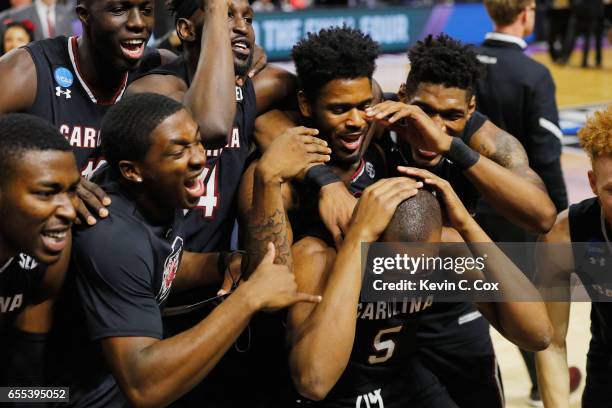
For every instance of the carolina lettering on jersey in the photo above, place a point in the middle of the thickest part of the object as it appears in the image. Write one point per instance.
(66, 100)
(386, 310)
(81, 136)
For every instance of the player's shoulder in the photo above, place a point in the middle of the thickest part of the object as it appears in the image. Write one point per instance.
(163, 79)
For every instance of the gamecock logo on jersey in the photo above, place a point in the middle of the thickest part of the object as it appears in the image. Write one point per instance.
(170, 268)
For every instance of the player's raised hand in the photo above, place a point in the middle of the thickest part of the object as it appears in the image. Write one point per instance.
(294, 152)
(458, 216)
(91, 199)
(410, 122)
(272, 287)
(377, 205)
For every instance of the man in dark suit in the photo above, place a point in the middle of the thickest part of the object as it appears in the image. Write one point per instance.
(50, 18)
(518, 95)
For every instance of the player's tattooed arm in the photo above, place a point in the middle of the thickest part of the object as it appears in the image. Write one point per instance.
(265, 193)
(508, 152)
(503, 176)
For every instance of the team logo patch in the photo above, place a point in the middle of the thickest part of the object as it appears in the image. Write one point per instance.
(63, 77)
(61, 92)
(170, 268)
(369, 167)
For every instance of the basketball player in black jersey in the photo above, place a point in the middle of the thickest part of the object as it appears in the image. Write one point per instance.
(454, 337)
(337, 89)
(71, 82)
(369, 360)
(37, 200)
(125, 266)
(589, 225)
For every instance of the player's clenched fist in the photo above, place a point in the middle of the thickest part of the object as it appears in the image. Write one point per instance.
(292, 153)
(272, 287)
(377, 206)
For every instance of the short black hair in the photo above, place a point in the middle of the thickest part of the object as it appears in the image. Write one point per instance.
(415, 219)
(182, 8)
(20, 133)
(443, 61)
(127, 126)
(334, 53)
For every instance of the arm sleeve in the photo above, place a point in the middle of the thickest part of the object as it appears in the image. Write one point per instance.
(543, 141)
(115, 282)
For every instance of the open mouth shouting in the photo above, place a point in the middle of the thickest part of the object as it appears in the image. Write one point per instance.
(133, 49)
(194, 186)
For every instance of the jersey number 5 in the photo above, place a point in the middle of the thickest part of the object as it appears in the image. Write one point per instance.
(388, 346)
(209, 201)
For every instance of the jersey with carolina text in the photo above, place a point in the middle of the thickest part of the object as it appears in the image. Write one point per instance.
(382, 370)
(209, 225)
(66, 100)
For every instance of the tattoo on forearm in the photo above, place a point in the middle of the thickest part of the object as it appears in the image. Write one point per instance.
(264, 228)
(509, 153)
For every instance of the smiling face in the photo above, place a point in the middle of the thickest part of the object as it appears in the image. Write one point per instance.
(37, 204)
(242, 36)
(338, 112)
(449, 108)
(15, 37)
(600, 179)
(171, 168)
(118, 29)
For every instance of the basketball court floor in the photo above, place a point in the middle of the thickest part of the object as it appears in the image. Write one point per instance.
(579, 92)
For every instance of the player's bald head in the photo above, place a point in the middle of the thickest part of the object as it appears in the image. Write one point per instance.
(417, 219)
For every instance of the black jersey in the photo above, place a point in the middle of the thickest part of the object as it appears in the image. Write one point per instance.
(66, 100)
(120, 276)
(382, 359)
(592, 260)
(209, 225)
(20, 277)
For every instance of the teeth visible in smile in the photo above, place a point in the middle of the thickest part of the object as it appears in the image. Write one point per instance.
(133, 42)
(55, 234)
(241, 46)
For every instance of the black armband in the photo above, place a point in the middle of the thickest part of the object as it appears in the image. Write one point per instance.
(321, 175)
(462, 155)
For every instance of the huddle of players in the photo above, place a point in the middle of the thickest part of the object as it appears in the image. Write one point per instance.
(107, 336)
